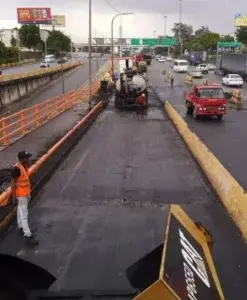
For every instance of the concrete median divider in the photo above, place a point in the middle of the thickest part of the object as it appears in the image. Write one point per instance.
(237, 98)
(227, 188)
(11, 77)
(188, 79)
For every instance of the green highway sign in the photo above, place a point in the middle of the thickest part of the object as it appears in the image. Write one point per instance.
(135, 42)
(168, 41)
(149, 42)
(229, 44)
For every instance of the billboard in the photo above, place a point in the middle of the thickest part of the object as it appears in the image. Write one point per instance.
(240, 21)
(40, 15)
(58, 20)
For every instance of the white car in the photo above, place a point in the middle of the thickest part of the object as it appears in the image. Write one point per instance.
(211, 67)
(203, 68)
(44, 64)
(180, 66)
(196, 74)
(169, 58)
(233, 80)
(161, 59)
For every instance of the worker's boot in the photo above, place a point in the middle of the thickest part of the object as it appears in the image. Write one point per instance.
(31, 240)
(21, 232)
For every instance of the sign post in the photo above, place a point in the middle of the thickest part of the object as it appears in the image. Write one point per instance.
(44, 34)
(183, 263)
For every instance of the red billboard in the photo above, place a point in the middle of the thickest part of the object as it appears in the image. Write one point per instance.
(40, 15)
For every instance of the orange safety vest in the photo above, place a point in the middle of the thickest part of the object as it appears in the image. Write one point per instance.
(141, 100)
(23, 185)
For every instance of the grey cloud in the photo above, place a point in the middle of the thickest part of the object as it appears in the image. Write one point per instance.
(217, 14)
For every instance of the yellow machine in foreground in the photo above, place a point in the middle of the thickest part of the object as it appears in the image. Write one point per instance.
(181, 268)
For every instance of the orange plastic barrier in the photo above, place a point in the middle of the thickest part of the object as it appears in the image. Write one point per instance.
(25, 121)
(9, 77)
(4, 197)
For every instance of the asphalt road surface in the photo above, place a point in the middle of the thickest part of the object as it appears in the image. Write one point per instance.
(227, 139)
(107, 205)
(72, 80)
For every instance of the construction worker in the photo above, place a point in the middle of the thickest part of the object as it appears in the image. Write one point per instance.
(21, 192)
(141, 100)
(172, 78)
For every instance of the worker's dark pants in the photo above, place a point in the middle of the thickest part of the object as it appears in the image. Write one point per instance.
(172, 80)
(140, 109)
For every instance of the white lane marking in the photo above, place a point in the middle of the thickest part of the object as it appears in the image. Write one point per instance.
(84, 155)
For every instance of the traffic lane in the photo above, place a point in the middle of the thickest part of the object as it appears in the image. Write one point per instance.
(213, 78)
(106, 206)
(27, 68)
(72, 80)
(226, 139)
(213, 215)
(21, 69)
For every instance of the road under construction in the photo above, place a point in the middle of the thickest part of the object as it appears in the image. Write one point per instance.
(107, 202)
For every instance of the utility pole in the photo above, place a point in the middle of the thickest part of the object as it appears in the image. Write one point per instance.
(90, 54)
(112, 37)
(165, 17)
(180, 24)
(18, 45)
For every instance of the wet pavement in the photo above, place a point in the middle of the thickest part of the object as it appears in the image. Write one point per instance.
(107, 205)
(227, 139)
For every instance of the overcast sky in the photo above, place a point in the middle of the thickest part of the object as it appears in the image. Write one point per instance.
(147, 15)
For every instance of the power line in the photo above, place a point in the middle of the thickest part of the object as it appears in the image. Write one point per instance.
(116, 10)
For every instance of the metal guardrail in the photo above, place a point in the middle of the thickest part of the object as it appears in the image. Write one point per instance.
(23, 122)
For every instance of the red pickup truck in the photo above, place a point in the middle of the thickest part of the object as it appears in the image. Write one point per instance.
(206, 100)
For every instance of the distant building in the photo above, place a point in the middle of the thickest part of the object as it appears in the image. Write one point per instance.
(6, 36)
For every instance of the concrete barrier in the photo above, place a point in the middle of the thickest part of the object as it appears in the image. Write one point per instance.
(13, 89)
(188, 79)
(228, 189)
(237, 98)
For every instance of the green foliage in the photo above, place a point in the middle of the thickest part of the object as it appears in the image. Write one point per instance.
(205, 41)
(241, 35)
(202, 30)
(8, 55)
(29, 36)
(227, 38)
(186, 31)
(57, 42)
(196, 46)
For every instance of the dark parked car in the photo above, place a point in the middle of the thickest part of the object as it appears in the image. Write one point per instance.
(61, 61)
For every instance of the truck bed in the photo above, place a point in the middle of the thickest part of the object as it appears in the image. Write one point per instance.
(234, 63)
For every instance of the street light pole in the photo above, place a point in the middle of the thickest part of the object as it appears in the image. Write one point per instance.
(89, 53)
(19, 47)
(112, 43)
(165, 17)
(180, 24)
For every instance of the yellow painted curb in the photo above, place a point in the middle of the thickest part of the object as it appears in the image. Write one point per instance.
(228, 189)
